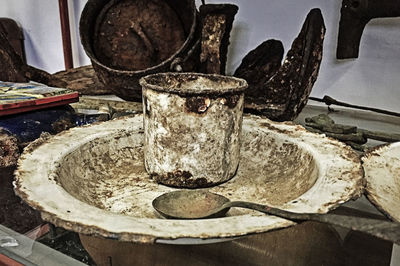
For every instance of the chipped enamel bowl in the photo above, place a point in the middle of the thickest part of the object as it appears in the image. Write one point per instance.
(92, 180)
(382, 174)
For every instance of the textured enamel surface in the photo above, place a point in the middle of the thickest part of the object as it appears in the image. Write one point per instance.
(382, 174)
(204, 146)
(92, 180)
(192, 140)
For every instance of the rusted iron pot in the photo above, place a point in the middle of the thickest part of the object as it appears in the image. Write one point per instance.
(192, 125)
(382, 168)
(126, 39)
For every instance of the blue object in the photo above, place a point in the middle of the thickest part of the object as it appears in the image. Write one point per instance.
(28, 126)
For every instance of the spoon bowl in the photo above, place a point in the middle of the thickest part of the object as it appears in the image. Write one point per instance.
(190, 204)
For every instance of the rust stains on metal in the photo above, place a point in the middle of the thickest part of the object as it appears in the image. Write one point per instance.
(197, 105)
(232, 100)
(258, 66)
(284, 95)
(188, 107)
(180, 178)
(135, 35)
(191, 84)
(9, 151)
(216, 25)
(126, 40)
(146, 107)
(99, 185)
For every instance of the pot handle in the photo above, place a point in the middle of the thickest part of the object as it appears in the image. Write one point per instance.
(137, 28)
(176, 64)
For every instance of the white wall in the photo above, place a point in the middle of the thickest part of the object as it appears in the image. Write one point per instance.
(41, 25)
(40, 21)
(370, 80)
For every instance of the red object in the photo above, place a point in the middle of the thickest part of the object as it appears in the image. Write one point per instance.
(6, 261)
(66, 34)
(35, 104)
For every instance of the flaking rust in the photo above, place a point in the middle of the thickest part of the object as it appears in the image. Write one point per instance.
(13, 67)
(257, 67)
(126, 40)
(84, 80)
(135, 35)
(197, 104)
(180, 178)
(99, 185)
(203, 112)
(9, 151)
(200, 104)
(216, 25)
(284, 95)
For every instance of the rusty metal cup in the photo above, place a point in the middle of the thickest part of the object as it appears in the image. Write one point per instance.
(192, 126)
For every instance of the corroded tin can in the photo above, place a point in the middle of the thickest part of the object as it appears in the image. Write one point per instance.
(192, 125)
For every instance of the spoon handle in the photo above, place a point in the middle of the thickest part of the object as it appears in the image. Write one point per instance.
(383, 229)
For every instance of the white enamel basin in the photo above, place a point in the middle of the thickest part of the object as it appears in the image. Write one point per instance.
(92, 180)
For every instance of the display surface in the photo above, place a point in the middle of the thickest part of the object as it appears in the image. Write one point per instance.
(92, 180)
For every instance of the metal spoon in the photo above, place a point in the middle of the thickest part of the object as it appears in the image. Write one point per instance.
(199, 204)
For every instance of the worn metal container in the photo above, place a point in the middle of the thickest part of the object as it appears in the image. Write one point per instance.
(192, 125)
(128, 39)
(98, 186)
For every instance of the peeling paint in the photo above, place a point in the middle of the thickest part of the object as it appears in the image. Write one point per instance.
(98, 176)
(189, 129)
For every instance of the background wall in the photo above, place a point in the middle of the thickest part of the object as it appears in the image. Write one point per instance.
(370, 80)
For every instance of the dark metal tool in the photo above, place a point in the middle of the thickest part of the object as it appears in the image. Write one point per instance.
(355, 14)
(328, 100)
(198, 204)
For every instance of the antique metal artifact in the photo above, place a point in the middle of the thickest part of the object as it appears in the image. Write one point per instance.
(126, 40)
(257, 67)
(328, 100)
(84, 80)
(99, 186)
(281, 95)
(216, 25)
(192, 126)
(355, 15)
(13, 66)
(350, 134)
